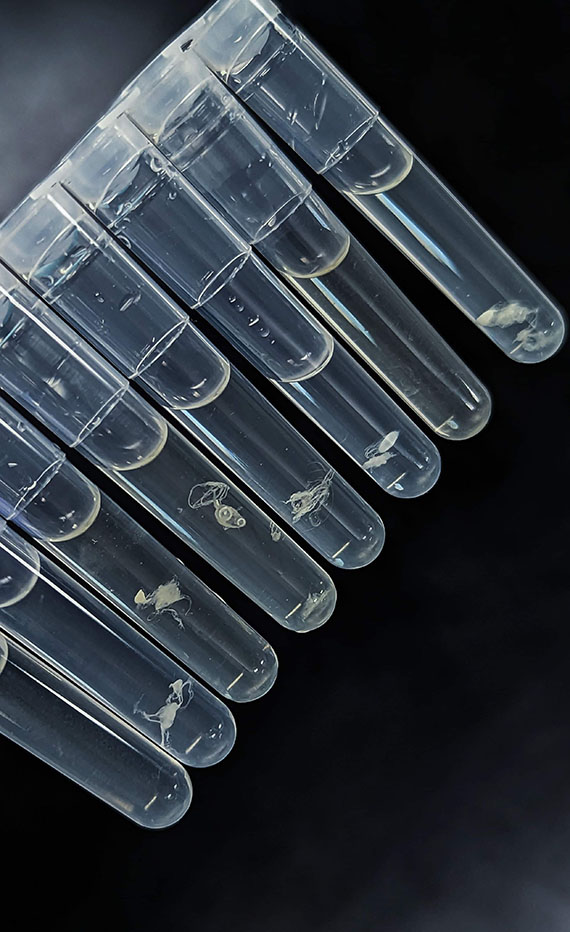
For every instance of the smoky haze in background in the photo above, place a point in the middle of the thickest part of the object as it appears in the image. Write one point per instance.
(61, 65)
(410, 771)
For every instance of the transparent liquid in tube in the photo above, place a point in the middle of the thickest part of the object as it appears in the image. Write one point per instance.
(475, 272)
(57, 722)
(52, 501)
(424, 372)
(208, 135)
(85, 640)
(155, 207)
(97, 539)
(292, 85)
(288, 584)
(91, 280)
(97, 288)
(45, 365)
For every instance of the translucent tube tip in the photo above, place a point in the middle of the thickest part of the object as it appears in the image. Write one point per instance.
(526, 334)
(470, 418)
(313, 612)
(253, 684)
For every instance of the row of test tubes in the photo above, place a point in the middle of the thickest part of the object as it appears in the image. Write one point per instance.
(178, 203)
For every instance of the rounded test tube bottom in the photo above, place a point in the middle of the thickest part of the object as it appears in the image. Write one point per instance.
(60, 724)
(48, 498)
(203, 507)
(386, 330)
(56, 618)
(290, 474)
(354, 411)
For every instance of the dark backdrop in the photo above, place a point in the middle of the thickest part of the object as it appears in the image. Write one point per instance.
(410, 771)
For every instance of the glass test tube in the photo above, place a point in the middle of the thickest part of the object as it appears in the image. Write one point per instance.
(146, 202)
(86, 641)
(296, 89)
(205, 131)
(53, 373)
(56, 246)
(45, 495)
(47, 715)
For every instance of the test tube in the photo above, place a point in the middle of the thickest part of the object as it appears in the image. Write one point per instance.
(65, 255)
(67, 515)
(296, 89)
(86, 641)
(44, 713)
(147, 203)
(54, 374)
(219, 148)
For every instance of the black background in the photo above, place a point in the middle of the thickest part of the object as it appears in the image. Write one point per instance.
(410, 771)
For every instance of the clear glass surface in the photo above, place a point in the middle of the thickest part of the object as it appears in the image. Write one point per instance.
(68, 516)
(89, 275)
(245, 296)
(433, 228)
(151, 209)
(220, 149)
(307, 492)
(398, 343)
(299, 92)
(382, 439)
(203, 507)
(61, 725)
(161, 469)
(86, 641)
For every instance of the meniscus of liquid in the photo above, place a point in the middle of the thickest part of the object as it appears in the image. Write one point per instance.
(296, 89)
(88, 405)
(68, 515)
(93, 284)
(243, 299)
(205, 131)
